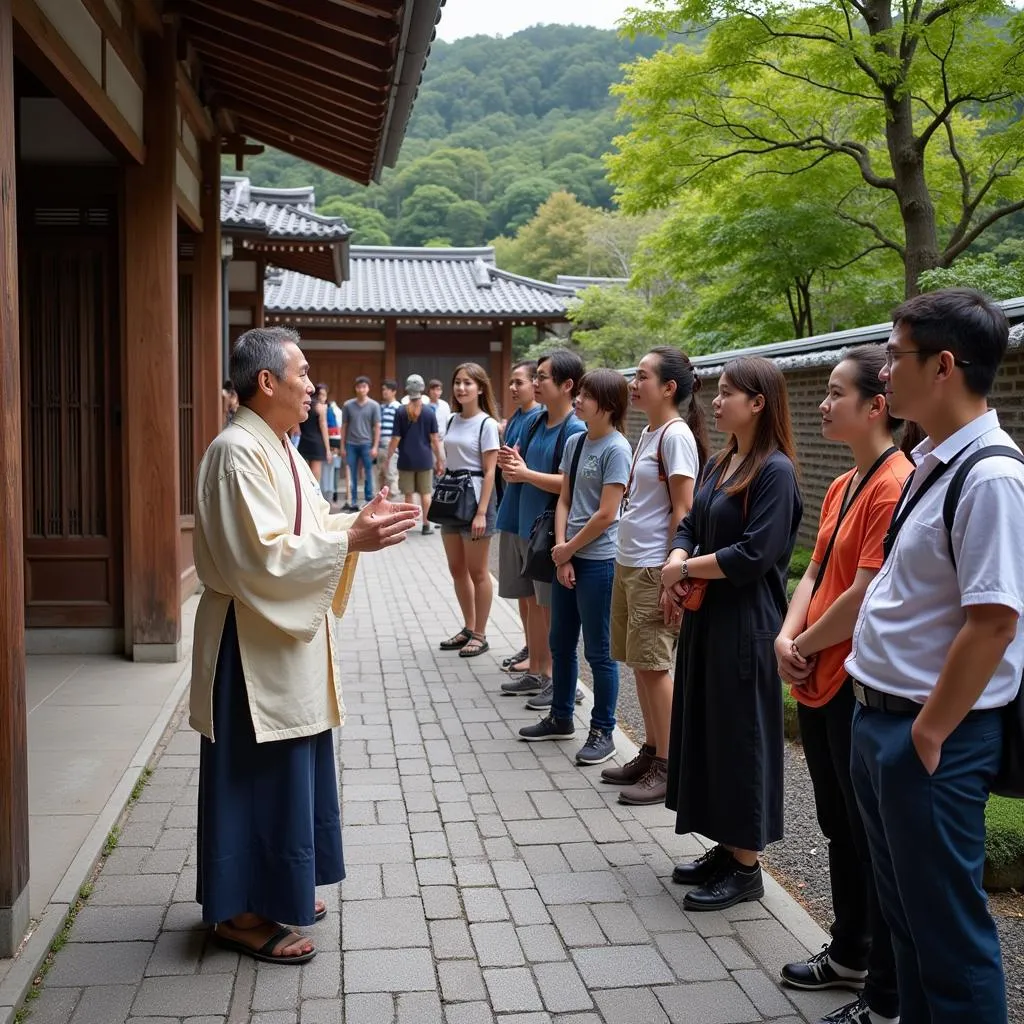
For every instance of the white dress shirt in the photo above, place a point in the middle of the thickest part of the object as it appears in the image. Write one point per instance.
(914, 607)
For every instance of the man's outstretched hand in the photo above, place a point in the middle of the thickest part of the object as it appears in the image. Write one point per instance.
(382, 523)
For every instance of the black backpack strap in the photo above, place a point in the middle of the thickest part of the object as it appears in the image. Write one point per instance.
(574, 465)
(956, 485)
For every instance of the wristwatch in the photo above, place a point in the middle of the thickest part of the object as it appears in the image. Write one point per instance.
(684, 571)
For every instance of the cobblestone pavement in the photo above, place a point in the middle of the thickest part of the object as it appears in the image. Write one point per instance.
(488, 879)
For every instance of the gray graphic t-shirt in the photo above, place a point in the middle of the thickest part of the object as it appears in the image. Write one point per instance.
(604, 461)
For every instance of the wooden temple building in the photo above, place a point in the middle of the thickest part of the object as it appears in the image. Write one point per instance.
(114, 116)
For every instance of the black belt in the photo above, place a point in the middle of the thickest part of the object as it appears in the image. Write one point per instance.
(884, 701)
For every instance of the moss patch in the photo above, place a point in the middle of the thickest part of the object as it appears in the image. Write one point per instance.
(798, 562)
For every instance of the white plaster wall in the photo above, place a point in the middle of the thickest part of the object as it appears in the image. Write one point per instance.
(242, 275)
(186, 180)
(124, 91)
(115, 9)
(78, 30)
(50, 133)
(240, 318)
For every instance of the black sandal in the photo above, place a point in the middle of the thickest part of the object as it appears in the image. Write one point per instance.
(460, 639)
(479, 645)
(264, 953)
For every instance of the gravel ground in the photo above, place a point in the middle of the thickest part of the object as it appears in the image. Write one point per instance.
(800, 861)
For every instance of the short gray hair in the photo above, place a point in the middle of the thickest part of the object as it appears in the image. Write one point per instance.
(261, 348)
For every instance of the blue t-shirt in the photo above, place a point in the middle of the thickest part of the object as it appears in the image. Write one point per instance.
(516, 429)
(414, 451)
(540, 456)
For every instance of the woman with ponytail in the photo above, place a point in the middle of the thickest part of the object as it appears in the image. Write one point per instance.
(665, 466)
(811, 647)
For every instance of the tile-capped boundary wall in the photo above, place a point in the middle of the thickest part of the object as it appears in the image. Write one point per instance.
(821, 461)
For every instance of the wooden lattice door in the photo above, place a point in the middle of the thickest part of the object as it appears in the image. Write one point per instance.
(68, 270)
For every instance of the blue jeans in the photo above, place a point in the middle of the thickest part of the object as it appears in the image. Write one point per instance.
(354, 455)
(588, 607)
(927, 840)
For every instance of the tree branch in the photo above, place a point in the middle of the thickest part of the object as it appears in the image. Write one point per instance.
(859, 256)
(886, 242)
(951, 252)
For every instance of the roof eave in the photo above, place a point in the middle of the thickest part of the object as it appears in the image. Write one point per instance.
(421, 20)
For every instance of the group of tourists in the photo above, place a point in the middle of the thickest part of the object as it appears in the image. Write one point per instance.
(901, 643)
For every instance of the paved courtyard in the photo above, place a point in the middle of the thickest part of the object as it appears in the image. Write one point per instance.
(488, 879)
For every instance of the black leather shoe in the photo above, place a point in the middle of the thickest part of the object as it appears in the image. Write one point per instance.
(703, 869)
(731, 885)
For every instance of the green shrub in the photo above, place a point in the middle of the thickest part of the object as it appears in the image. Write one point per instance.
(790, 721)
(1004, 843)
(799, 562)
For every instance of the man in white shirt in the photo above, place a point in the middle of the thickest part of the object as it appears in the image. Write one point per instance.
(442, 410)
(937, 654)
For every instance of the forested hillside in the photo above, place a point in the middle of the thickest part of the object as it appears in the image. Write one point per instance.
(498, 126)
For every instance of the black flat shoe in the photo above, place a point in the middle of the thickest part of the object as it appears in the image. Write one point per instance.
(731, 885)
(454, 643)
(703, 869)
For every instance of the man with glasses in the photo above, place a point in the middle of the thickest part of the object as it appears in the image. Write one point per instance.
(937, 655)
(534, 464)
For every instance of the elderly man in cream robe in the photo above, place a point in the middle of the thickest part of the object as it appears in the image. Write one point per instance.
(266, 683)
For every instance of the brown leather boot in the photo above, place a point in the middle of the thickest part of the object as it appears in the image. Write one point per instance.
(631, 771)
(651, 788)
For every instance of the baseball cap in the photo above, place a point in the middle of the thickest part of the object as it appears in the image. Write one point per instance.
(414, 386)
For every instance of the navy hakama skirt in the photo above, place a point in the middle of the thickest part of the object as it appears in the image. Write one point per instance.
(269, 818)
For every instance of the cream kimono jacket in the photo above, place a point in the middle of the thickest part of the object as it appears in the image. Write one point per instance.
(287, 589)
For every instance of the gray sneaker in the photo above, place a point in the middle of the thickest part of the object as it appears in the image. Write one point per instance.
(599, 747)
(524, 685)
(544, 699)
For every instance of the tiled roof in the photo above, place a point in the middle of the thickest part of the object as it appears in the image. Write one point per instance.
(384, 280)
(279, 213)
(582, 283)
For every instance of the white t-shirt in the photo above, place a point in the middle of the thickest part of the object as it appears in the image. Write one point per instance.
(443, 412)
(643, 527)
(464, 444)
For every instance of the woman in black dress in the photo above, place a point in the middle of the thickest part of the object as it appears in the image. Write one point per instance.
(725, 748)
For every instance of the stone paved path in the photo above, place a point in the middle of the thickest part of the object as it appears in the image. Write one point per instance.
(488, 879)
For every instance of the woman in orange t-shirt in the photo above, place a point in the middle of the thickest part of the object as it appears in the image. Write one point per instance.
(811, 648)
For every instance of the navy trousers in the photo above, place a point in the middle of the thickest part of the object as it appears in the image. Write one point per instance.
(927, 840)
(269, 818)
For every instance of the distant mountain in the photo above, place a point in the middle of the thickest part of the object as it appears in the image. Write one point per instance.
(498, 126)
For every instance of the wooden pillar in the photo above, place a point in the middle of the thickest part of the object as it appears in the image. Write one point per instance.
(258, 309)
(13, 711)
(209, 368)
(391, 350)
(152, 585)
(506, 366)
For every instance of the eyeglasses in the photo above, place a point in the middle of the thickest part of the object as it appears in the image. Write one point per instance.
(892, 353)
(541, 377)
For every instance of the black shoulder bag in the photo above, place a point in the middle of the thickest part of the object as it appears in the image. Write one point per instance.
(453, 502)
(537, 565)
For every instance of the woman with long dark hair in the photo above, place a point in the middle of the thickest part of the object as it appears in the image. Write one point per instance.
(811, 648)
(734, 546)
(471, 444)
(659, 493)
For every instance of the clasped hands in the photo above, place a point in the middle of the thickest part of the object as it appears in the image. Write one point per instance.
(671, 598)
(794, 667)
(511, 464)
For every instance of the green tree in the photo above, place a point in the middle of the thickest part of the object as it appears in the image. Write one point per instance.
(614, 327)
(920, 101)
(424, 214)
(467, 222)
(1000, 278)
(519, 202)
(369, 226)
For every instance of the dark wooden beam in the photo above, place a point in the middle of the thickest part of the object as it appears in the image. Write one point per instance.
(151, 485)
(306, 144)
(373, 45)
(147, 16)
(13, 710)
(209, 373)
(264, 110)
(260, 82)
(204, 25)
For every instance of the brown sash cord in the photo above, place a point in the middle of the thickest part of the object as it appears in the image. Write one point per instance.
(298, 487)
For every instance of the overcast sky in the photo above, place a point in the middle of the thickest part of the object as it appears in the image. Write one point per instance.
(502, 17)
